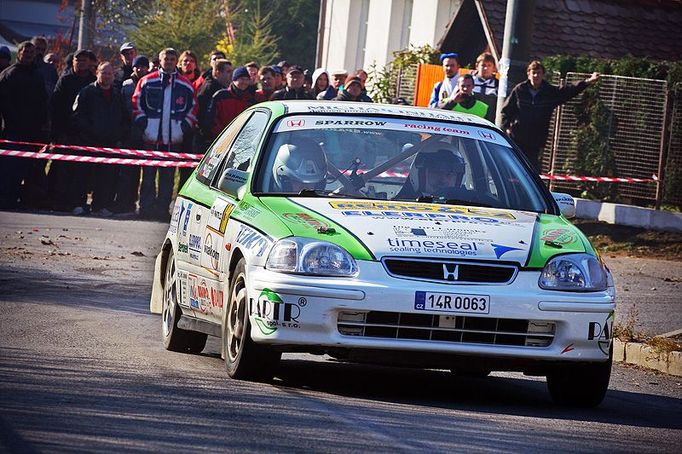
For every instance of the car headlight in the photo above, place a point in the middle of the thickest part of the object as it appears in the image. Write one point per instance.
(574, 272)
(306, 256)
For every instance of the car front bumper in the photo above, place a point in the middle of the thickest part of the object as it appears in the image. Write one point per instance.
(377, 312)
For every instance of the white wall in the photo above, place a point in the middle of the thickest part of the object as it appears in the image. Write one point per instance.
(361, 32)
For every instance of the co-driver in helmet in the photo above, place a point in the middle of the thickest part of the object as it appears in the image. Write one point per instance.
(436, 172)
(300, 165)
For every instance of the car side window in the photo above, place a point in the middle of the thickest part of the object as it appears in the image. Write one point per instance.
(209, 166)
(246, 144)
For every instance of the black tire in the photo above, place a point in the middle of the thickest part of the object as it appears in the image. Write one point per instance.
(580, 385)
(174, 338)
(244, 359)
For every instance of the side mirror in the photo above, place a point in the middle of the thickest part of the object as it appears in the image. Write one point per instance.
(233, 182)
(566, 203)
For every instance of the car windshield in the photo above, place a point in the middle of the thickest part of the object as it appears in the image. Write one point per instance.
(395, 159)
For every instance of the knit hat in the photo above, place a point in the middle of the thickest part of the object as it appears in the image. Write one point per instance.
(140, 60)
(240, 72)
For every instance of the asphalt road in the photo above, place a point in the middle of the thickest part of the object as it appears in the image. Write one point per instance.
(82, 369)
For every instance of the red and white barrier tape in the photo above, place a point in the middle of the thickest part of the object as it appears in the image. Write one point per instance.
(121, 151)
(654, 179)
(99, 160)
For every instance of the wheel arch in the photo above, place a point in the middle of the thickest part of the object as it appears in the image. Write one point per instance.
(155, 302)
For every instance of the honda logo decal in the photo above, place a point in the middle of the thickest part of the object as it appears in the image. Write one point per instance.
(295, 123)
(450, 272)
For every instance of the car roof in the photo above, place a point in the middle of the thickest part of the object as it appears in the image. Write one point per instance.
(362, 108)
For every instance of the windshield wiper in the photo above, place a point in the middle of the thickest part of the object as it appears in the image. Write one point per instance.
(470, 203)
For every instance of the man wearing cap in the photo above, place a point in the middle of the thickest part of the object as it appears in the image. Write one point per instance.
(129, 176)
(5, 57)
(284, 66)
(62, 128)
(23, 109)
(128, 53)
(294, 88)
(444, 89)
(229, 102)
(279, 78)
(353, 91)
(339, 77)
(165, 108)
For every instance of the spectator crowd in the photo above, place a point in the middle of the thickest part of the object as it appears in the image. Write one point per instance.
(168, 104)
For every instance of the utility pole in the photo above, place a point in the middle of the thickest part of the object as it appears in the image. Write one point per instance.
(518, 32)
(86, 25)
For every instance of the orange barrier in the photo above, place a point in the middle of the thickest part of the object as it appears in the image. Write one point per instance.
(427, 77)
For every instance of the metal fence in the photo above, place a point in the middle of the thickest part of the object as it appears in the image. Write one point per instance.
(673, 164)
(635, 134)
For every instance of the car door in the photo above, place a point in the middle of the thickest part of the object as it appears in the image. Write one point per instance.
(212, 283)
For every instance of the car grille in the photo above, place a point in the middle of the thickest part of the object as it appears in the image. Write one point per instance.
(435, 270)
(451, 328)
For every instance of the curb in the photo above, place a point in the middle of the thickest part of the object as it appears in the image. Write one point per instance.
(646, 356)
(616, 213)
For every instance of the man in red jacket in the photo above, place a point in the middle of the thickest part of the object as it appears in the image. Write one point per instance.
(229, 102)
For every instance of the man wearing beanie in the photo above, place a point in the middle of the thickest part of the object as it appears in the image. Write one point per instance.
(229, 102)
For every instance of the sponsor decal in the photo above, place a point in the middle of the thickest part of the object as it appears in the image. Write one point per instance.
(349, 123)
(271, 313)
(252, 240)
(182, 247)
(182, 281)
(185, 213)
(203, 295)
(558, 236)
(436, 231)
(419, 208)
(432, 246)
(500, 250)
(296, 123)
(219, 215)
(194, 246)
(486, 134)
(211, 251)
(248, 211)
(306, 220)
(568, 348)
(436, 128)
(427, 216)
(175, 218)
(601, 332)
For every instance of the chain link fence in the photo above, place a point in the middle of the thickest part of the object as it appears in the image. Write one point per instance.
(632, 128)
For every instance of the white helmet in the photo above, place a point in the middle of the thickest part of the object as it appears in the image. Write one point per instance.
(303, 161)
(437, 155)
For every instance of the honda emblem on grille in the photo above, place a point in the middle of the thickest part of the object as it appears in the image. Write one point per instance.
(450, 272)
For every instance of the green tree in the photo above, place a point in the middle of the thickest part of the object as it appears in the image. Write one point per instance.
(197, 25)
(253, 36)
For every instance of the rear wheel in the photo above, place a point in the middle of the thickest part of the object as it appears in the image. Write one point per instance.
(244, 359)
(580, 385)
(174, 338)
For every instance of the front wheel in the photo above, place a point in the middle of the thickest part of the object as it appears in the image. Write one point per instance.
(174, 338)
(244, 359)
(580, 385)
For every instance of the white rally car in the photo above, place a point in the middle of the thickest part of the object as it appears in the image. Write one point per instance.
(383, 234)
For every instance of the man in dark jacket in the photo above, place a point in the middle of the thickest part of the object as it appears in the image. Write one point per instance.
(353, 92)
(528, 109)
(227, 103)
(294, 88)
(221, 77)
(102, 120)
(23, 108)
(128, 183)
(62, 173)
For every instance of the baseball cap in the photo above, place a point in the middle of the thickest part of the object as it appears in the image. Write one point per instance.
(339, 72)
(141, 60)
(293, 69)
(4, 52)
(126, 46)
(454, 55)
(283, 63)
(240, 72)
(277, 69)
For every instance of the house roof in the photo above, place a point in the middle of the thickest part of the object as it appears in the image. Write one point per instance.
(594, 28)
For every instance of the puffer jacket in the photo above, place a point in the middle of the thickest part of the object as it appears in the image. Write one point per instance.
(165, 108)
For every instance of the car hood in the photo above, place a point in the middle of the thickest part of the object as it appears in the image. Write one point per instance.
(416, 229)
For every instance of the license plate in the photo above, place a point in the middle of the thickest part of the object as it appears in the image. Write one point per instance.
(452, 302)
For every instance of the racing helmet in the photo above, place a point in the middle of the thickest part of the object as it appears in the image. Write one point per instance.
(438, 155)
(302, 161)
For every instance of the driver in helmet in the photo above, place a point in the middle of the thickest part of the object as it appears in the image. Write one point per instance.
(435, 173)
(300, 165)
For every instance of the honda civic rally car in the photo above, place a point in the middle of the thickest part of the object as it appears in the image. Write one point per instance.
(388, 235)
